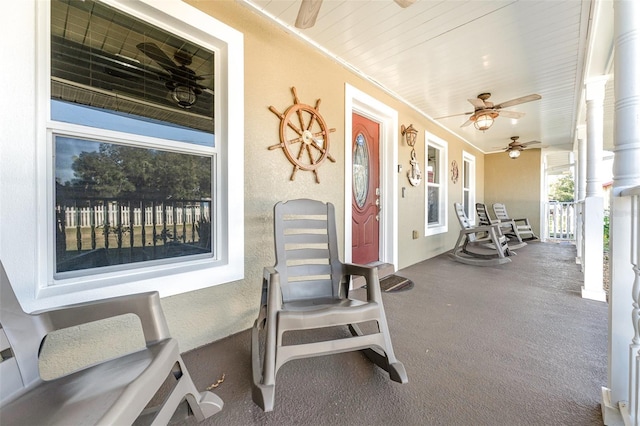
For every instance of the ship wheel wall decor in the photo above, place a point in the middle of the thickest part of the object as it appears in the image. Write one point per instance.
(304, 136)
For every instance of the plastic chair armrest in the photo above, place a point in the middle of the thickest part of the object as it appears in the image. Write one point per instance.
(370, 274)
(271, 291)
(482, 228)
(145, 305)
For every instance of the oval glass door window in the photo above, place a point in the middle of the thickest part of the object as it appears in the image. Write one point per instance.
(360, 170)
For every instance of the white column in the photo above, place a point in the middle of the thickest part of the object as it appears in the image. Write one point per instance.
(581, 170)
(593, 208)
(626, 174)
(581, 187)
(594, 90)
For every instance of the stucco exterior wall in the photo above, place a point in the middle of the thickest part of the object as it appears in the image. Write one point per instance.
(274, 62)
(515, 183)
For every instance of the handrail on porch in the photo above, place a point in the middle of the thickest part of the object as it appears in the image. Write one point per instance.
(631, 413)
(560, 220)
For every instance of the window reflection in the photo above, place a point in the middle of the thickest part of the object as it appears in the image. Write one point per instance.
(117, 204)
(105, 60)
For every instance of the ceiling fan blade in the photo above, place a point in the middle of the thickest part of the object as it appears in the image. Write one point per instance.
(529, 143)
(158, 55)
(466, 123)
(477, 103)
(454, 115)
(404, 3)
(308, 13)
(519, 101)
(511, 114)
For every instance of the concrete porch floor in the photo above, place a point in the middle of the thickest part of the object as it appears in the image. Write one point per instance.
(513, 344)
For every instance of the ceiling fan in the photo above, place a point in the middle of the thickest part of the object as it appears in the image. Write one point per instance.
(182, 81)
(485, 112)
(515, 147)
(309, 10)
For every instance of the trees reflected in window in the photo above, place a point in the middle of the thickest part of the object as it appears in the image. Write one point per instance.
(119, 204)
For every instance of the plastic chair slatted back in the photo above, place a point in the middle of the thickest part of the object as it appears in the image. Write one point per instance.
(306, 252)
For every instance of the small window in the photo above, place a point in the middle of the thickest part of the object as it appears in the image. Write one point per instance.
(436, 187)
(469, 185)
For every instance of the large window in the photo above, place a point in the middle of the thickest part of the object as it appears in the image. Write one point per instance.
(143, 197)
(138, 122)
(436, 186)
(469, 185)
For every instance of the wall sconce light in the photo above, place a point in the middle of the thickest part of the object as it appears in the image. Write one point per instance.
(484, 120)
(514, 153)
(414, 174)
(410, 134)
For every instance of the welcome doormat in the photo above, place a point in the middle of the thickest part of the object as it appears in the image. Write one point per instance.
(394, 283)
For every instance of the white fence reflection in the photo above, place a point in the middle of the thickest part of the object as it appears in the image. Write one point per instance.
(159, 214)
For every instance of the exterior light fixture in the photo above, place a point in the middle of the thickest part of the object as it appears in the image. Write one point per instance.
(484, 120)
(410, 134)
(514, 153)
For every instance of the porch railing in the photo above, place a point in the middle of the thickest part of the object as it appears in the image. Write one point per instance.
(560, 220)
(126, 230)
(631, 416)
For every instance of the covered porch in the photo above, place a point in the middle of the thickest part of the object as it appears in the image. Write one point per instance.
(512, 344)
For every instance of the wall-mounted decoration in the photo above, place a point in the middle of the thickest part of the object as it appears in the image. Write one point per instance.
(414, 174)
(304, 136)
(410, 134)
(454, 172)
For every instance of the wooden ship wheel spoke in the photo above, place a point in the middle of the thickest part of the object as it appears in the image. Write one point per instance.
(303, 130)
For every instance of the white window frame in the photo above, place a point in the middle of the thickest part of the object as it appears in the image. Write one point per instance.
(442, 147)
(471, 159)
(39, 289)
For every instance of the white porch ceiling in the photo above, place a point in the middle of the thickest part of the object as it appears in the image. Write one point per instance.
(434, 55)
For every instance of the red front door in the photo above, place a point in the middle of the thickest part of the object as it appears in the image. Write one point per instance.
(366, 190)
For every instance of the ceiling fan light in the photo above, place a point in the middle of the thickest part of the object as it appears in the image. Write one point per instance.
(483, 121)
(514, 153)
(185, 96)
